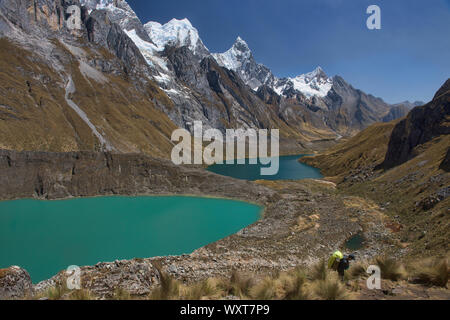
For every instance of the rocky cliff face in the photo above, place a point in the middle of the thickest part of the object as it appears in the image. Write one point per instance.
(120, 13)
(445, 165)
(80, 174)
(396, 112)
(420, 126)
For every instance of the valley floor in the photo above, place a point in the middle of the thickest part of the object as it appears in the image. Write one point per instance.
(305, 222)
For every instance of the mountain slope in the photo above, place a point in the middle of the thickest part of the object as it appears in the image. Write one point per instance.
(420, 126)
(126, 85)
(403, 166)
(331, 103)
(87, 90)
(239, 58)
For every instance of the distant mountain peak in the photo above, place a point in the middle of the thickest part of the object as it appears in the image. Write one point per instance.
(120, 12)
(238, 55)
(317, 73)
(177, 33)
(241, 44)
(184, 22)
(314, 83)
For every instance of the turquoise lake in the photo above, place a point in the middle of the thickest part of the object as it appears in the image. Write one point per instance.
(45, 237)
(289, 169)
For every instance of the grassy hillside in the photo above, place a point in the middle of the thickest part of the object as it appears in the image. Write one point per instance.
(366, 149)
(414, 194)
(35, 116)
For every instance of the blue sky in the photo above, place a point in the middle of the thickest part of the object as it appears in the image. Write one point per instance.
(408, 59)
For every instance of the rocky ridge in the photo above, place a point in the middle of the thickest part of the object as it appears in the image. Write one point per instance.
(420, 126)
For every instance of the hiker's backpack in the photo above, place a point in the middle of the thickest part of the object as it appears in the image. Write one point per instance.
(334, 260)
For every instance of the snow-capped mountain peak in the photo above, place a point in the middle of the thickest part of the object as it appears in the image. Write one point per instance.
(314, 83)
(241, 45)
(316, 73)
(236, 56)
(178, 33)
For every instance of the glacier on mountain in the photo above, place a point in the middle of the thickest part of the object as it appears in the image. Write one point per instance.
(239, 58)
(315, 83)
(177, 33)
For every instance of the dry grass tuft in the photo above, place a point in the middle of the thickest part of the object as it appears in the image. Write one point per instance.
(121, 294)
(357, 270)
(264, 290)
(390, 268)
(169, 288)
(294, 286)
(330, 289)
(206, 289)
(240, 284)
(431, 272)
(319, 271)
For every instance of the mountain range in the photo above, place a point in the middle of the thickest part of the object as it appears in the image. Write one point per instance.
(121, 85)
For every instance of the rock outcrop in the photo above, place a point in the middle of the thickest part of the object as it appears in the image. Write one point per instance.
(396, 112)
(15, 283)
(445, 165)
(80, 174)
(420, 126)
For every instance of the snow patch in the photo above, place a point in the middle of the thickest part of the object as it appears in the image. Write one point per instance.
(148, 50)
(315, 83)
(233, 58)
(175, 32)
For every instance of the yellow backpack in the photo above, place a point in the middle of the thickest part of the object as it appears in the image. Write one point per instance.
(333, 262)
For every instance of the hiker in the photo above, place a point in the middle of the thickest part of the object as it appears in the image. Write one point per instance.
(338, 262)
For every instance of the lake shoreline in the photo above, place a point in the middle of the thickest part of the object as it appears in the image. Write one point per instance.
(277, 241)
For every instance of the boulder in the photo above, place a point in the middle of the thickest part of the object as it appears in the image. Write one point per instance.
(15, 283)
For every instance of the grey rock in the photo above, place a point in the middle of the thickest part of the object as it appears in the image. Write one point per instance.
(15, 283)
(420, 126)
